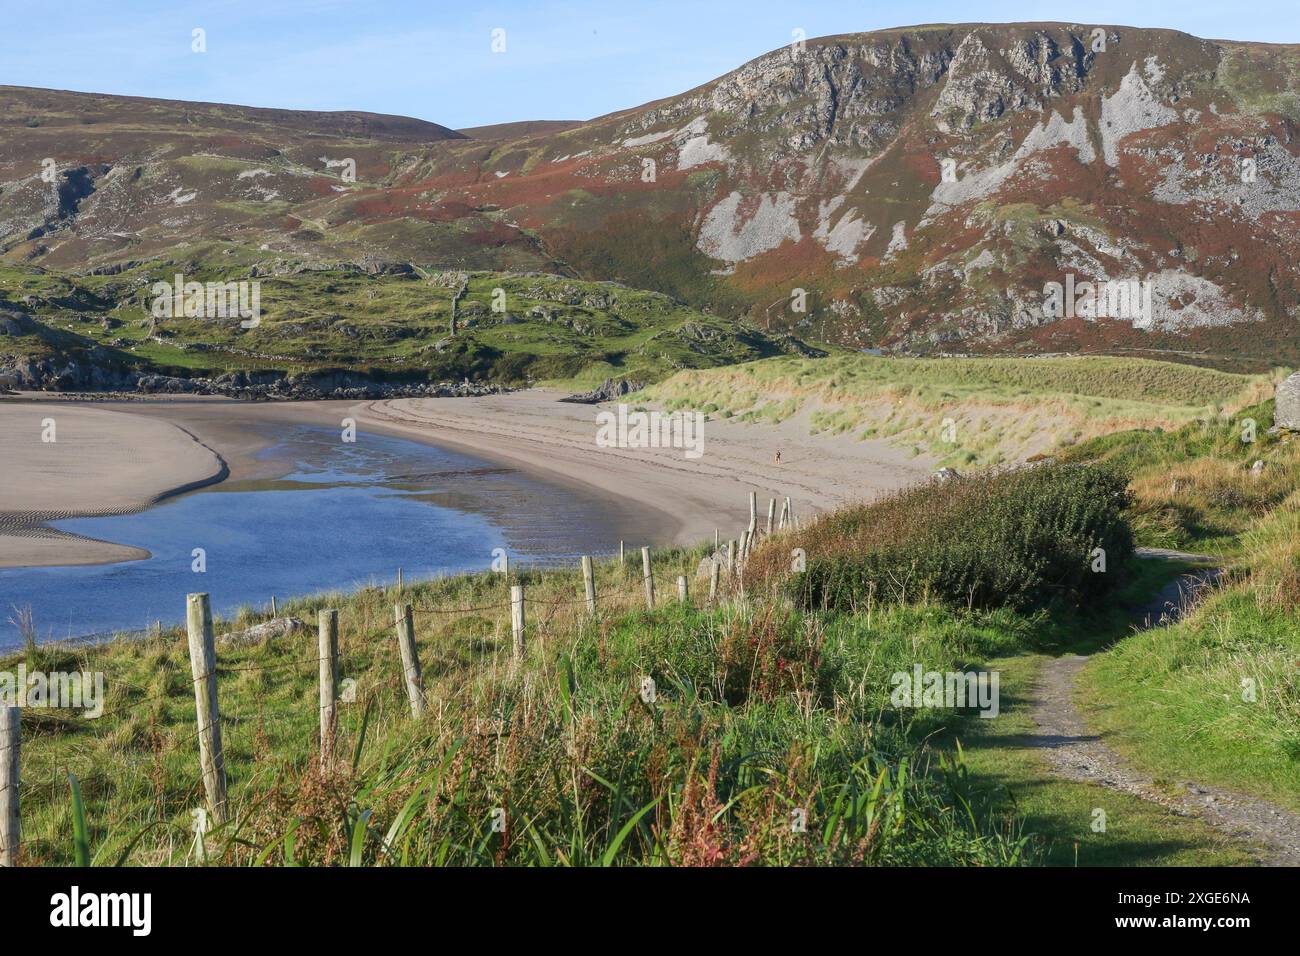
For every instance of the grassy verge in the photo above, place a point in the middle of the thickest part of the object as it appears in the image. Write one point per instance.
(1060, 813)
(1216, 697)
(1193, 487)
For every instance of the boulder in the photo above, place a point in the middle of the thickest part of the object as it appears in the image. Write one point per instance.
(17, 324)
(1287, 413)
(610, 390)
(258, 633)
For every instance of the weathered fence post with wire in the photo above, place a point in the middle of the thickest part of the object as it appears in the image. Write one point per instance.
(714, 566)
(410, 658)
(517, 621)
(589, 584)
(732, 548)
(328, 635)
(10, 819)
(203, 667)
(683, 588)
(771, 513)
(649, 576)
(787, 514)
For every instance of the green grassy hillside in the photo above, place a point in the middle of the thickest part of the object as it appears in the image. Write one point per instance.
(397, 324)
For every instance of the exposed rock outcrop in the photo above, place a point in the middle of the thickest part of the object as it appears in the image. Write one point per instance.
(1287, 412)
(611, 389)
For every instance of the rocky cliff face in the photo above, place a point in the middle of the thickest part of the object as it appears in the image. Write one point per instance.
(923, 189)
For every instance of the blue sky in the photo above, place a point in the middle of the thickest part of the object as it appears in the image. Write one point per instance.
(433, 59)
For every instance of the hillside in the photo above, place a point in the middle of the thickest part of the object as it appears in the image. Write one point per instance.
(921, 185)
(345, 327)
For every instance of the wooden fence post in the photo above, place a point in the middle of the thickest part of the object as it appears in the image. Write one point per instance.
(517, 619)
(203, 668)
(753, 511)
(771, 513)
(328, 636)
(649, 578)
(683, 588)
(732, 548)
(622, 560)
(410, 658)
(274, 609)
(714, 565)
(786, 514)
(11, 831)
(399, 582)
(589, 584)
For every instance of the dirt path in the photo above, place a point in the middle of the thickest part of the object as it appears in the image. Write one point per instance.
(1079, 755)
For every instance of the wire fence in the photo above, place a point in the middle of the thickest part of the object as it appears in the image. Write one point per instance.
(211, 750)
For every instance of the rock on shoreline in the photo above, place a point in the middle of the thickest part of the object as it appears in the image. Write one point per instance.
(47, 376)
(610, 390)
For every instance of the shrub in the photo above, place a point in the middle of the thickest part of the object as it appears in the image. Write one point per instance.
(1020, 539)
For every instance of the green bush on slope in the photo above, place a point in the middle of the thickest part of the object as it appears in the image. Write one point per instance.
(1021, 539)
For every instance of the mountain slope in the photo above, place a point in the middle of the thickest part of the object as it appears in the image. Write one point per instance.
(921, 186)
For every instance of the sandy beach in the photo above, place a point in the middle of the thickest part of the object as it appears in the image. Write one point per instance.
(121, 456)
(62, 460)
(694, 495)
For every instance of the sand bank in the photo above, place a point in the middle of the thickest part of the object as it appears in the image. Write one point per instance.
(60, 459)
